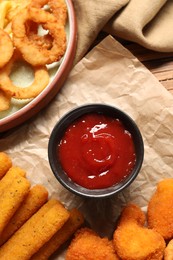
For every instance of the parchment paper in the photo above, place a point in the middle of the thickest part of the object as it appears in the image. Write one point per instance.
(112, 75)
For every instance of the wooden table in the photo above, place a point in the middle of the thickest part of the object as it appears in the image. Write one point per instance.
(160, 64)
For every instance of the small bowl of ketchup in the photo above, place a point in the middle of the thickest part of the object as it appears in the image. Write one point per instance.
(96, 150)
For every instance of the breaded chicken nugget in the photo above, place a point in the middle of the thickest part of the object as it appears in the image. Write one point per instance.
(5, 164)
(133, 241)
(36, 197)
(87, 245)
(28, 239)
(168, 255)
(75, 221)
(160, 209)
(134, 213)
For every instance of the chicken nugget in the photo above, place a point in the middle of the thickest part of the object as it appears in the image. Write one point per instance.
(74, 222)
(11, 199)
(36, 197)
(160, 209)
(5, 164)
(134, 241)
(89, 246)
(36, 231)
(132, 213)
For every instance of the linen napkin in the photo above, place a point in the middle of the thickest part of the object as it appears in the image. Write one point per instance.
(145, 22)
(91, 17)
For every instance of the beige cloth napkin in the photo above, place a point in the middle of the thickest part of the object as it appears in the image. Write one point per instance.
(149, 23)
(92, 16)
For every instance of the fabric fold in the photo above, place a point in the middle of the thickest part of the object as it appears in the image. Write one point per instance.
(148, 23)
(91, 17)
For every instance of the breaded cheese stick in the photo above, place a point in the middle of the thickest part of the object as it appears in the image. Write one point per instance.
(74, 222)
(37, 196)
(28, 239)
(9, 177)
(11, 199)
(5, 164)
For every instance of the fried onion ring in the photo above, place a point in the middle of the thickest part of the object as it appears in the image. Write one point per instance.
(58, 8)
(6, 48)
(31, 52)
(41, 80)
(4, 101)
(44, 41)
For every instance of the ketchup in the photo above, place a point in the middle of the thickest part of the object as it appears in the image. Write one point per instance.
(97, 151)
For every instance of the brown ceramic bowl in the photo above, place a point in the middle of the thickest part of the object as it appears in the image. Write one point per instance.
(29, 110)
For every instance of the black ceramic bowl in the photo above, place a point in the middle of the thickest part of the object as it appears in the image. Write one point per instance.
(58, 133)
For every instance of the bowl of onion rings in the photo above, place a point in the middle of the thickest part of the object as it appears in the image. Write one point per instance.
(38, 45)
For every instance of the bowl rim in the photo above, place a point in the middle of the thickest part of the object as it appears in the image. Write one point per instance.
(32, 108)
(75, 188)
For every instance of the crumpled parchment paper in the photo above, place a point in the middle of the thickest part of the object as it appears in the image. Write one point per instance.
(109, 74)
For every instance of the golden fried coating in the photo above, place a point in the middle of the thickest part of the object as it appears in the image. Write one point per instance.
(134, 213)
(74, 222)
(36, 197)
(32, 53)
(41, 80)
(6, 48)
(13, 173)
(160, 209)
(168, 254)
(27, 240)
(134, 241)
(5, 163)
(87, 245)
(11, 199)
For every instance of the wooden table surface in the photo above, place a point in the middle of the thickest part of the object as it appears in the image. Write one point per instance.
(160, 64)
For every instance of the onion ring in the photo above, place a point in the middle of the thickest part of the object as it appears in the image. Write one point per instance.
(41, 80)
(31, 52)
(6, 48)
(58, 8)
(44, 41)
(4, 100)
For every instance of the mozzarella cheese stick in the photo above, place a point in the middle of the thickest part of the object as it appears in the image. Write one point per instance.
(11, 199)
(75, 221)
(9, 177)
(5, 164)
(28, 239)
(36, 197)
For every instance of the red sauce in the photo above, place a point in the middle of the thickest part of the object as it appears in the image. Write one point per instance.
(96, 151)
